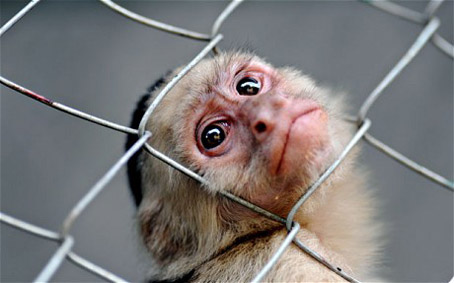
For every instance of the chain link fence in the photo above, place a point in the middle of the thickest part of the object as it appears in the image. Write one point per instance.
(64, 237)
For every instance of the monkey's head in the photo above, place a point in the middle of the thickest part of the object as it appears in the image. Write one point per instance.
(262, 133)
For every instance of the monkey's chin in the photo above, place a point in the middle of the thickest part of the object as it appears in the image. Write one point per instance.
(307, 145)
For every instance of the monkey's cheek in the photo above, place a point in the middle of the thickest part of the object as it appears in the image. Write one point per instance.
(306, 145)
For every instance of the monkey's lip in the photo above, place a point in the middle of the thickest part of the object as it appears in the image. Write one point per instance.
(302, 132)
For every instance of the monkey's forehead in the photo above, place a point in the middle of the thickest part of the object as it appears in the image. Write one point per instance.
(239, 60)
(225, 66)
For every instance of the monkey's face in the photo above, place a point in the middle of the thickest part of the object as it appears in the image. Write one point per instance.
(261, 132)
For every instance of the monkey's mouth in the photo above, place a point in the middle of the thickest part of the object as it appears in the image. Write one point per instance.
(304, 137)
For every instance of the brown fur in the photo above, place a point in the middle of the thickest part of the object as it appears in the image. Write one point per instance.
(186, 227)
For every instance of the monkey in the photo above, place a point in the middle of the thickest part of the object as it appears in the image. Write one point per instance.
(264, 134)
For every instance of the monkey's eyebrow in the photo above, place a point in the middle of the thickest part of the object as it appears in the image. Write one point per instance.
(241, 67)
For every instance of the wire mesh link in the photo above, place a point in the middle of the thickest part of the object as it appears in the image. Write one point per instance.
(101, 184)
(53, 236)
(56, 260)
(420, 42)
(420, 18)
(66, 241)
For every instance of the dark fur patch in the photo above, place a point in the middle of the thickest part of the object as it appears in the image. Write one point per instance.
(134, 176)
(185, 278)
(247, 240)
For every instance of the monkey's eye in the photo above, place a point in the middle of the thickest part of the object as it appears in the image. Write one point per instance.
(212, 136)
(248, 86)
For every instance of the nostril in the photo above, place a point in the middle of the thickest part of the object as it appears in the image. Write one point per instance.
(260, 127)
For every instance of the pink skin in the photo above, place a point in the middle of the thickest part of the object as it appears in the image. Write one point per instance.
(286, 128)
(306, 134)
(295, 134)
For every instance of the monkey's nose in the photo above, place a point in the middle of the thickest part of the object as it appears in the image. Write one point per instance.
(261, 128)
(263, 113)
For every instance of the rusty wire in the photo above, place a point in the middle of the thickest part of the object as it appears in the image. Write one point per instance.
(66, 241)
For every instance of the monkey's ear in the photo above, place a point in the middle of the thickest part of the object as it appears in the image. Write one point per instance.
(134, 167)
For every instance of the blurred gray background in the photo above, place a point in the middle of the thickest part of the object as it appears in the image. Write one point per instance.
(82, 54)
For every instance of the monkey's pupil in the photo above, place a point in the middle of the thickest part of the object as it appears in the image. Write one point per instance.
(212, 136)
(248, 86)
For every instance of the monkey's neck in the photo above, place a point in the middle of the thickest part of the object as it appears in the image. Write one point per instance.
(182, 239)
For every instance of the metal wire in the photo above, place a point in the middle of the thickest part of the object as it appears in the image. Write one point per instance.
(18, 16)
(422, 39)
(416, 17)
(221, 18)
(66, 241)
(443, 45)
(53, 236)
(432, 7)
(175, 79)
(93, 268)
(397, 10)
(65, 108)
(101, 184)
(56, 260)
(29, 228)
(200, 179)
(155, 24)
(280, 251)
(445, 183)
(359, 134)
(323, 261)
